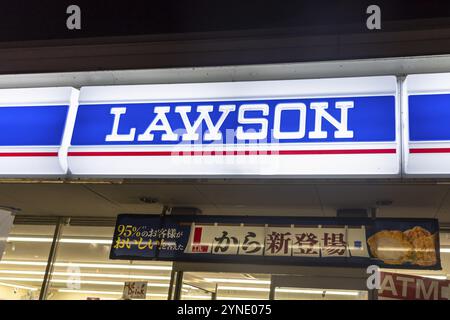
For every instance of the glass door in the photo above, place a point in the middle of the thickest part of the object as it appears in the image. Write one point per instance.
(288, 287)
(294, 293)
(262, 282)
(225, 286)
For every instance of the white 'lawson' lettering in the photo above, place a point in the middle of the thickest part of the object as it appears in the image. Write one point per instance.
(164, 126)
(300, 133)
(250, 135)
(213, 130)
(342, 131)
(161, 122)
(115, 136)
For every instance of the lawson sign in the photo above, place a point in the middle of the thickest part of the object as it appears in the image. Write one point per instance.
(329, 127)
(294, 128)
(35, 127)
(427, 119)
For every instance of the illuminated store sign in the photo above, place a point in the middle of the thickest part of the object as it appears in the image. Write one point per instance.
(33, 123)
(427, 115)
(332, 128)
(327, 127)
(403, 243)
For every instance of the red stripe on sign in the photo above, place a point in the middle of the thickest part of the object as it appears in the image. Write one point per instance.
(226, 153)
(197, 235)
(429, 150)
(344, 151)
(28, 154)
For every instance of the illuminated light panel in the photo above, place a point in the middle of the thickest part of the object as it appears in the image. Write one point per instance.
(90, 291)
(119, 293)
(243, 288)
(239, 298)
(87, 265)
(234, 288)
(99, 275)
(113, 283)
(242, 281)
(63, 240)
(288, 290)
(17, 286)
(318, 291)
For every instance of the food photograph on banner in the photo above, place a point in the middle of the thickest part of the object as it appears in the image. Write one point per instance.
(224, 157)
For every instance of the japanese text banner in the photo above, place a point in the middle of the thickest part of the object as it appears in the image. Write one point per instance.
(403, 243)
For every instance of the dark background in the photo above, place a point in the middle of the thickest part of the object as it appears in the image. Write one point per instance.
(182, 33)
(46, 19)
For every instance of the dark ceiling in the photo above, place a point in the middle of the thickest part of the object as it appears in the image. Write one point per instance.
(230, 197)
(193, 33)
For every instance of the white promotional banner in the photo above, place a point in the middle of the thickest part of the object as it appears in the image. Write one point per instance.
(357, 247)
(35, 129)
(341, 128)
(426, 118)
(307, 242)
(277, 241)
(6, 222)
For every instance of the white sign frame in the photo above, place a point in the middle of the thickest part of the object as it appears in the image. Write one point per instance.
(266, 166)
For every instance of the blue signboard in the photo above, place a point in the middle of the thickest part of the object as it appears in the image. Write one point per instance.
(32, 125)
(429, 117)
(344, 119)
(428, 138)
(399, 243)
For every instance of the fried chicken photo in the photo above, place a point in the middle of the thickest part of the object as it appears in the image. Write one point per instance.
(392, 247)
(424, 244)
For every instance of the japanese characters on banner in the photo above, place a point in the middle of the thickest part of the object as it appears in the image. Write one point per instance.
(403, 243)
(396, 286)
(278, 241)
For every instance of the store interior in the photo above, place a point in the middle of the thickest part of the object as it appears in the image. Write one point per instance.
(83, 270)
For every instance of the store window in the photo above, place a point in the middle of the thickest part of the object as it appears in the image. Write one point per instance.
(245, 286)
(22, 267)
(225, 286)
(289, 293)
(83, 270)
